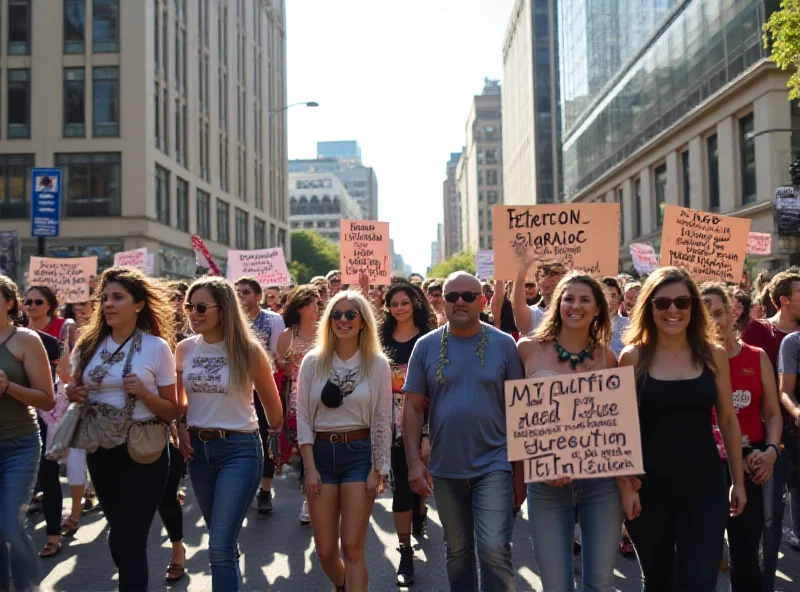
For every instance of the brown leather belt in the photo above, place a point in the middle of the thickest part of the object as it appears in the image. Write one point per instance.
(209, 434)
(343, 437)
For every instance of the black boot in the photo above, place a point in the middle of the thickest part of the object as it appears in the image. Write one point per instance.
(264, 502)
(419, 522)
(405, 573)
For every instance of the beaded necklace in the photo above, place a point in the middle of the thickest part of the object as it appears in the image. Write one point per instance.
(444, 360)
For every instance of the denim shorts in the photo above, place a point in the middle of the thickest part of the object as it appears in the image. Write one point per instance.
(343, 462)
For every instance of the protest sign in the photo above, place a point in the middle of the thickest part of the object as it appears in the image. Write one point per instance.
(707, 246)
(644, 258)
(786, 209)
(365, 249)
(579, 236)
(9, 253)
(151, 264)
(484, 264)
(136, 258)
(267, 266)
(68, 278)
(759, 243)
(575, 425)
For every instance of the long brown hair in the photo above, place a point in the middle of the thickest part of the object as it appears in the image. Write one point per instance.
(642, 332)
(155, 318)
(10, 293)
(298, 298)
(599, 330)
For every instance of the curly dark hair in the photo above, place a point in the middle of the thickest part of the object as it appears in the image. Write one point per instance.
(424, 317)
(49, 296)
(298, 298)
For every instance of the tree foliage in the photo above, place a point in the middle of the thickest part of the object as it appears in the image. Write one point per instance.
(782, 36)
(312, 255)
(463, 261)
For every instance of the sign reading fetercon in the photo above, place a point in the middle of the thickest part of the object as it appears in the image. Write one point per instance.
(46, 202)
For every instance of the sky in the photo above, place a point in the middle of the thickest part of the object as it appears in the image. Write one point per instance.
(398, 77)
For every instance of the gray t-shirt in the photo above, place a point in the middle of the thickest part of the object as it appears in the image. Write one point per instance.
(789, 357)
(467, 412)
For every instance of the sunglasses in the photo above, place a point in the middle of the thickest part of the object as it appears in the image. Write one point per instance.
(202, 307)
(681, 302)
(31, 302)
(350, 315)
(549, 273)
(452, 297)
(530, 285)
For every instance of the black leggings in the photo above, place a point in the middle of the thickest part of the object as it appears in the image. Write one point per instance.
(170, 508)
(403, 498)
(263, 429)
(52, 496)
(744, 538)
(680, 532)
(129, 493)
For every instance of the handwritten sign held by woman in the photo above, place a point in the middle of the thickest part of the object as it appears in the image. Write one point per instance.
(365, 250)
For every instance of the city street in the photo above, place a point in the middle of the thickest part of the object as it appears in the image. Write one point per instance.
(278, 553)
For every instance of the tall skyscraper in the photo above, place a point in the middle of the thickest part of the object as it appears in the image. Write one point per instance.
(341, 149)
(450, 242)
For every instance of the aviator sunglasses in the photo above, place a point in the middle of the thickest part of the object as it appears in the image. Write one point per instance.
(452, 297)
(350, 315)
(201, 307)
(681, 302)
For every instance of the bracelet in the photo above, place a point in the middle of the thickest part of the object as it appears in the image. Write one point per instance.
(8, 385)
(777, 450)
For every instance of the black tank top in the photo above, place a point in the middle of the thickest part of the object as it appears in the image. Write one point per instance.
(675, 419)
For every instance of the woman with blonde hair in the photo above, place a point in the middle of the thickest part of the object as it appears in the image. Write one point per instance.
(574, 336)
(124, 378)
(344, 408)
(677, 519)
(217, 370)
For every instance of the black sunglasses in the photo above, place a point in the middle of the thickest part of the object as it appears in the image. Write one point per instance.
(350, 315)
(452, 297)
(201, 307)
(32, 301)
(681, 302)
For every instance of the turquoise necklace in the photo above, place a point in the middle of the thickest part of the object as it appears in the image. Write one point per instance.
(574, 359)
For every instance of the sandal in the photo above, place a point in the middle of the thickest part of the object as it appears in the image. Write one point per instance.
(50, 549)
(70, 526)
(176, 571)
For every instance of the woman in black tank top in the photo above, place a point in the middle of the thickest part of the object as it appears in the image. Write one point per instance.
(677, 519)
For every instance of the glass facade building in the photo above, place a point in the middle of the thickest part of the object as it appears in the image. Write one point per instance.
(630, 69)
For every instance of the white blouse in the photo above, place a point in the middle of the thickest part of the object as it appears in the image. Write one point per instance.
(368, 406)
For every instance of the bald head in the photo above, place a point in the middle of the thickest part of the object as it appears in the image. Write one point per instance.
(461, 281)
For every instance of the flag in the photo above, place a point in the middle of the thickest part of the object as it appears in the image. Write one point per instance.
(202, 257)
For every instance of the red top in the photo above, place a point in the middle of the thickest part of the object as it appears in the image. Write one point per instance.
(747, 392)
(53, 328)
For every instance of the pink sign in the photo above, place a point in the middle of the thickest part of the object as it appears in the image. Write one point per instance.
(136, 258)
(365, 249)
(267, 266)
(68, 278)
(644, 258)
(759, 243)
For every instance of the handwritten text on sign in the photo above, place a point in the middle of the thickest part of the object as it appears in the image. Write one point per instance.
(69, 278)
(267, 266)
(759, 243)
(136, 258)
(707, 246)
(365, 249)
(575, 425)
(579, 236)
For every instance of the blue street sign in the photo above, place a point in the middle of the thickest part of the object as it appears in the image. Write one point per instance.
(46, 202)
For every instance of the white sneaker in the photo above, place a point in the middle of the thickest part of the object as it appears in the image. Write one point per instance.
(305, 518)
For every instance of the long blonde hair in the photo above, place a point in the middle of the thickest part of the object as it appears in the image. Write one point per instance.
(236, 334)
(368, 343)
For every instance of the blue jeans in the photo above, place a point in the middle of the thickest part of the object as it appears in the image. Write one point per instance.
(343, 462)
(477, 509)
(225, 475)
(551, 516)
(19, 465)
(773, 522)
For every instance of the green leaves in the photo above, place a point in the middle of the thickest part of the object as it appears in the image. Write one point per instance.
(312, 255)
(463, 261)
(782, 34)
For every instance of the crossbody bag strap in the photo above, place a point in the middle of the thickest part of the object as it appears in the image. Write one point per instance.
(131, 399)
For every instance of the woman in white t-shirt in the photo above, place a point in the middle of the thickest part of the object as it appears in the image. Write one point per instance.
(217, 370)
(123, 356)
(344, 410)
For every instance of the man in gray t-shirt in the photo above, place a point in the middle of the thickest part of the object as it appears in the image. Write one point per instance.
(461, 369)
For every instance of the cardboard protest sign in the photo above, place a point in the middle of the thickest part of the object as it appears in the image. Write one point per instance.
(759, 243)
(707, 246)
(575, 425)
(484, 265)
(365, 249)
(267, 266)
(579, 236)
(68, 278)
(644, 258)
(136, 258)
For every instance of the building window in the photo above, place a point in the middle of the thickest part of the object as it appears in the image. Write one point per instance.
(74, 26)
(15, 185)
(747, 145)
(223, 162)
(105, 102)
(713, 174)
(241, 229)
(74, 103)
(661, 193)
(182, 204)
(272, 238)
(105, 26)
(637, 207)
(19, 104)
(491, 157)
(157, 117)
(19, 27)
(203, 146)
(178, 135)
(92, 183)
(162, 195)
(687, 180)
(491, 177)
(203, 214)
(223, 222)
(259, 234)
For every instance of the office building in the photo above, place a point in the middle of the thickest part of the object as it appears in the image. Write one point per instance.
(479, 173)
(341, 150)
(450, 241)
(319, 201)
(681, 107)
(531, 148)
(158, 114)
(359, 180)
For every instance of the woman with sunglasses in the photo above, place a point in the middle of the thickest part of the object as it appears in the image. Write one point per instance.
(217, 370)
(300, 317)
(344, 407)
(407, 316)
(124, 377)
(758, 411)
(681, 375)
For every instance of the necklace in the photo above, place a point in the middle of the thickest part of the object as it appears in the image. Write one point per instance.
(444, 360)
(574, 359)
